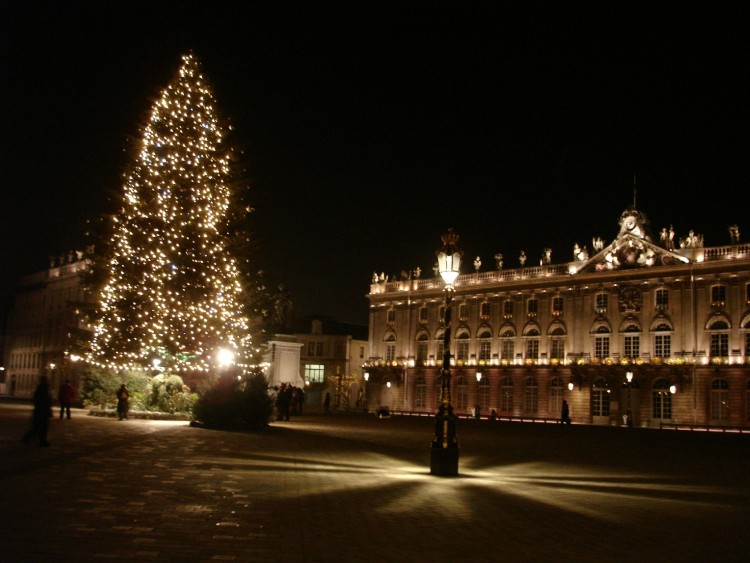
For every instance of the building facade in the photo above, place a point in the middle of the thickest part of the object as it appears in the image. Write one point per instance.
(43, 313)
(331, 360)
(642, 331)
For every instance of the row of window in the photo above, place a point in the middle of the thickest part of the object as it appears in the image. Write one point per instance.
(601, 305)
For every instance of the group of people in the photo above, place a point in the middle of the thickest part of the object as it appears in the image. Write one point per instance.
(66, 394)
(289, 400)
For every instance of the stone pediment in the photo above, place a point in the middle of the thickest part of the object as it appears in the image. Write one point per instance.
(629, 251)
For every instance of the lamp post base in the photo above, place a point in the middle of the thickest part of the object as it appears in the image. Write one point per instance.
(444, 462)
(444, 450)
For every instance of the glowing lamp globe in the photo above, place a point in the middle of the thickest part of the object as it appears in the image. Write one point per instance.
(449, 258)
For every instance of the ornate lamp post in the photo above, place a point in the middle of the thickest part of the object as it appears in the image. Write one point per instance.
(629, 414)
(364, 393)
(444, 450)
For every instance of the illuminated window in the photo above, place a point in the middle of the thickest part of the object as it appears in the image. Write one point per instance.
(557, 306)
(423, 315)
(314, 373)
(390, 352)
(601, 301)
(532, 307)
(508, 309)
(462, 312)
(718, 296)
(391, 316)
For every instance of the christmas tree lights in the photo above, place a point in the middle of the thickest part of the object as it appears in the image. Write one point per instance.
(173, 287)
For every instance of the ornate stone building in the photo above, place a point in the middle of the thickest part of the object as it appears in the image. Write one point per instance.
(658, 329)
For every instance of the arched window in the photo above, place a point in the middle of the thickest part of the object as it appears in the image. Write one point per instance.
(719, 338)
(632, 343)
(600, 397)
(719, 400)
(462, 393)
(556, 396)
(661, 400)
(530, 395)
(390, 346)
(506, 394)
(485, 345)
(531, 335)
(420, 393)
(601, 342)
(507, 340)
(662, 340)
(462, 345)
(422, 345)
(556, 342)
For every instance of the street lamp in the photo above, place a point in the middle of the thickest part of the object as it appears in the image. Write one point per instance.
(477, 407)
(364, 394)
(444, 449)
(629, 414)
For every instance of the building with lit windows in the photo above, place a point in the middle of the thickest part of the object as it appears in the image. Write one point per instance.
(42, 315)
(331, 358)
(639, 331)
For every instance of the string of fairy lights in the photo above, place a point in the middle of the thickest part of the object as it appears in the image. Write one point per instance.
(174, 291)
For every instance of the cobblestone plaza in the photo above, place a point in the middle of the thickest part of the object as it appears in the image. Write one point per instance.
(355, 488)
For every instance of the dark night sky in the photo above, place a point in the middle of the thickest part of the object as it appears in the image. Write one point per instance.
(370, 128)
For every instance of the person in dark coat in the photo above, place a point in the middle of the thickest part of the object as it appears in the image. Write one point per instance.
(65, 396)
(565, 414)
(327, 404)
(41, 415)
(122, 402)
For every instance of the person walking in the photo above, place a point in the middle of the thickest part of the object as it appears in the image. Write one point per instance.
(41, 415)
(327, 404)
(65, 396)
(122, 402)
(565, 414)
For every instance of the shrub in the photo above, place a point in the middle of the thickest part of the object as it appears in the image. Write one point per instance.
(100, 387)
(233, 404)
(168, 393)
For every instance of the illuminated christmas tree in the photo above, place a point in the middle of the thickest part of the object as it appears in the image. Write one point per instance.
(172, 287)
